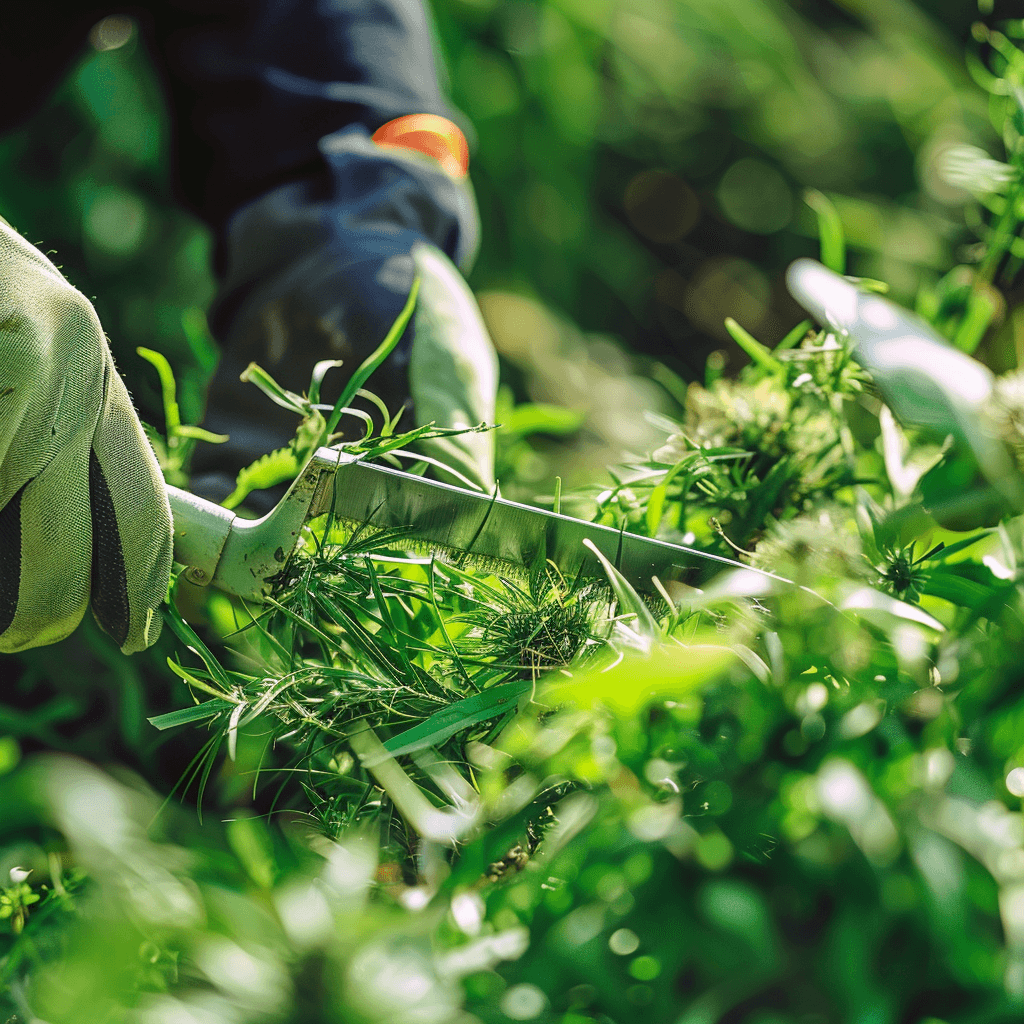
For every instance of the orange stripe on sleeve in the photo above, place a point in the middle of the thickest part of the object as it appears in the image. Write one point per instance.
(431, 134)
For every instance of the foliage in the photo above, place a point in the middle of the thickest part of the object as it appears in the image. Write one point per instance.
(431, 792)
(640, 164)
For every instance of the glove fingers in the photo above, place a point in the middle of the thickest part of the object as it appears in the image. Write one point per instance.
(453, 370)
(45, 556)
(130, 514)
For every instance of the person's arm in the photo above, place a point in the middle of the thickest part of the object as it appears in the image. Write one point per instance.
(318, 227)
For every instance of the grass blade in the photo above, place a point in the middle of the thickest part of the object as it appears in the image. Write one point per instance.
(458, 716)
(758, 352)
(629, 600)
(186, 716)
(376, 357)
(830, 230)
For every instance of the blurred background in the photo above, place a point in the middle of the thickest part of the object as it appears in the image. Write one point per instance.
(640, 167)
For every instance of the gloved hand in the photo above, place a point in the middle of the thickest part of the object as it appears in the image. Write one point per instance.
(320, 268)
(83, 508)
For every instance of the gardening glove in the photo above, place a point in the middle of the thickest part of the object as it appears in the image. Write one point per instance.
(321, 268)
(83, 508)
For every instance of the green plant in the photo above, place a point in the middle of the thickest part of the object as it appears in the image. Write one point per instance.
(430, 792)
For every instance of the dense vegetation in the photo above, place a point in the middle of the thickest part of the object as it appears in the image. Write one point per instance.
(407, 791)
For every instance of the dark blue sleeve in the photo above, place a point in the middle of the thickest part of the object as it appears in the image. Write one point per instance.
(274, 103)
(258, 87)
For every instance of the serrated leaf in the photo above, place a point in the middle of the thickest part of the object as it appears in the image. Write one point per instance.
(268, 470)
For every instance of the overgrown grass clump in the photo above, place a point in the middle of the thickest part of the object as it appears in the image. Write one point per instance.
(436, 792)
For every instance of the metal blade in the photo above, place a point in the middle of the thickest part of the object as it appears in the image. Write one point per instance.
(244, 556)
(457, 523)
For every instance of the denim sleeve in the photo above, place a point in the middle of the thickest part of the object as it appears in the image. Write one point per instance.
(258, 88)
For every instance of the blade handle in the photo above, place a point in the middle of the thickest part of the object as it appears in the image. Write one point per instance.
(201, 529)
(237, 555)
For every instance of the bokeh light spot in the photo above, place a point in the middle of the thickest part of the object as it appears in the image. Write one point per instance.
(115, 221)
(623, 942)
(1015, 782)
(523, 1002)
(730, 287)
(112, 32)
(10, 753)
(661, 206)
(714, 852)
(645, 968)
(754, 196)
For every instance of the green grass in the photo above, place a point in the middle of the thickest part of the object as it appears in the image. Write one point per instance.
(790, 794)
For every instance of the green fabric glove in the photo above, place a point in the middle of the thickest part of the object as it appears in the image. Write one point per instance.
(453, 369)
(83, 508)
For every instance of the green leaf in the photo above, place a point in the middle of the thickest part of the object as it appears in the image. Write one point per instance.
(282, 465)
(268, 470)
(255, 374)
(959, 545)
(319, 372)
(758, 352)
(232, 729)
(956, 494)
(656, 502)
(982, 305)
(186, 716)
(884, 611)
(201, 343)
(670, 671)
(192, 679)
(480, 707)
(540, 418)
(794, 337)
(190, 638)
(375, 358)
(629, 600)
(830, 230)
(168, 388)
(956, 589)
(199, 434)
